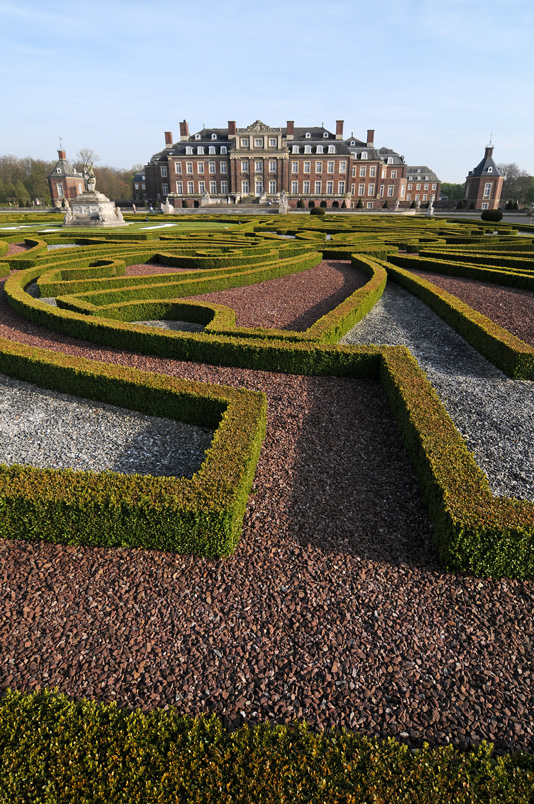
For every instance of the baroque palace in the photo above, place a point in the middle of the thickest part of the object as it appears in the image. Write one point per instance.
(310, 165)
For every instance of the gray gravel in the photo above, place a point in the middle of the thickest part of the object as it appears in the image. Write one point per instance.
(48, 429)
(494, 414)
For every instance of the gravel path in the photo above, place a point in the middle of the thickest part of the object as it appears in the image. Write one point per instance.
(511, 308)
(494, 414)
(333, 607)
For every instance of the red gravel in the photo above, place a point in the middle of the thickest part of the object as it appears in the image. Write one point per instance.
(291, 302)
(333, 607)
(16, 248)
(511, 308)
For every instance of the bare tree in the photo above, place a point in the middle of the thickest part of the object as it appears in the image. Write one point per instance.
(516, 184)
(85, 156)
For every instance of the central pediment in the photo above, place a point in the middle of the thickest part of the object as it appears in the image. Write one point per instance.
(258, 126)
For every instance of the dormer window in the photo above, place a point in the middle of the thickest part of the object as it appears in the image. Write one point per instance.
(224, 149)
(320, 149)
(295, 149)
(213, 136)
(331, 149)
(197, 136)
(352, 142)
(58, 170)
(188, 150)
(364, 155)
(200, 149)
(490, 170)
(307, 149)
(308, 135)
(390, 160)
(211, 149)
(325, 135)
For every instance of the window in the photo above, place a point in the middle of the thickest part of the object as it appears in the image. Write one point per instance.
(331, 149)
(294, 167)
(136, 186)
(163, 170)
(258, 142)
(202, 187)
(342, 167)
(190, 187)
(353, 171)
(224, 149)
(325, 135)
(318, 185)
(371, 189)
(213, 187)
(390, 190)
(319, 149)
(212, 167)
(59, 190)
(424, 196)
(307, 167)
(425, 187)
(244, 166)
(393, 174)
(258, 166)
(200, 149)
(58, 170)
(409, 197)
(363, 170)
(178, 167)
(307, 135)
(272, 166)
(403, 190)
(294, 186)
(381, 190)
(295, 149)
(434, 187)
(143, 186)
(224, 167)
(306, 188)
(165, 188)
(189, 167)
(272, 142)
(487, 190)
(330, 167)
(224, 187)
(272, 187)
(417, 196)
(383, 173)
(244, 142)
(307, 149)
(364, 155)
(211, 149)
(180, 187)
(372, 171)
(418, 187)
(369, 205)
(485, 206)
(329, 187)
(213, 136)
(188, 150)
(244, 187)
(490, 170)
(200, 167)
(341, 187)
(197, 136)
(361, 189)
(390, 160)
(318, 167)
(409, 187)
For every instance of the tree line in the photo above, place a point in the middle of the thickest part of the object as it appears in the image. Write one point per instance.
(24, 182)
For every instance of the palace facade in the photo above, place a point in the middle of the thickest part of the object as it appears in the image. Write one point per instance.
(311, 166)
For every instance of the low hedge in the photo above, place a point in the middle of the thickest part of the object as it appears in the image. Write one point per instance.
(202, 515)
(56, 750)
(499, 276)
(499, 346)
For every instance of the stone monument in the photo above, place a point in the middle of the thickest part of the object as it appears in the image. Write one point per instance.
(92, 209)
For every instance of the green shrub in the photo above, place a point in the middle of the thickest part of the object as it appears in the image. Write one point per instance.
(318, 211)
(492, 215)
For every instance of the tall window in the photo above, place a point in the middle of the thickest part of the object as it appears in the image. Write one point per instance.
(381, 190)
(224, 187)
(200, 167)
(393, 174)
(330, 167)
(361, 189)
(190, 187)
(390, 190)
(318, 189)
(59, 190)
(294, 167)
(272, 166)
(245, 187)
(165, 188)
(272, 142)
(403, 190)
(307, 167)
(244, 166)
(318, 167)
(487, 190)
(258, 142)
(244, 142)
(294, 186)
(212, 167)
(258, 166)
(341, 187)
(342, 167)
(178, 167)
(329, 187)
(213, 187)
(306, 188)
(223, 166)
(163, 170)
(363, 170)
(202, 187)
(272, 187)
(372, 171)
(180, 187)
(189, 167)
(371, 189)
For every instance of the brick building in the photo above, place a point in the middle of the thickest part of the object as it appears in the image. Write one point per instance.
(483, 184)
(64, 182)
(312, 165)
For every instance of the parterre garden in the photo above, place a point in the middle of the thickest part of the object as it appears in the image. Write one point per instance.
(55, 749)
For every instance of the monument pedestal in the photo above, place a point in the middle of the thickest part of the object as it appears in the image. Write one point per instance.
(92, 209)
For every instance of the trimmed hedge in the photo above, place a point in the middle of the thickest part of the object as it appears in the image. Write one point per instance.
(56, 750)
(202, 515)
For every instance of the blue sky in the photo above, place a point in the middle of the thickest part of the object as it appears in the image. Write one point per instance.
(434, 79)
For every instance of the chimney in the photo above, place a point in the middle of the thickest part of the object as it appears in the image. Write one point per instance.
(339, 129)
(290, 130)
(62, 154)
(184, 131)
(370, 137)
(489, 152)
(168, 139)
(232, 128)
